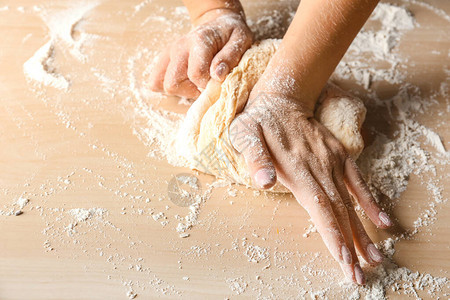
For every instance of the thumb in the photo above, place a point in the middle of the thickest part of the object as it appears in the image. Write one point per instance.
(248, 139)
(230, 55)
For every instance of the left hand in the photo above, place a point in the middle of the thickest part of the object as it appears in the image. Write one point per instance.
(210, 50)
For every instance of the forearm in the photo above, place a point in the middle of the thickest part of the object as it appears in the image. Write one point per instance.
(197, 8)
(315, 42)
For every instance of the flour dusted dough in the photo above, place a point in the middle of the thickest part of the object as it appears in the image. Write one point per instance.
(203, 139)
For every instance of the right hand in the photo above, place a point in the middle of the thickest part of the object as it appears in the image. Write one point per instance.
(210, 50)
(278, 137)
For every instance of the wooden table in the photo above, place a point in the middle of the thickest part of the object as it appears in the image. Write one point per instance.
(75, 148)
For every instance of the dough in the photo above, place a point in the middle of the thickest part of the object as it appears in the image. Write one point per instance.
(203, 139)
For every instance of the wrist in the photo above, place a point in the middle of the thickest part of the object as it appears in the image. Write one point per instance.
(285, 82)
(279, 102)
(215, 13)
(205, 10)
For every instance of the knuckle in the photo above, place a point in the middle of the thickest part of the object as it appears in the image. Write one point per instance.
(330, 158)
(171, 85)
(198, 73)
(339, 150)
(340, 207)
(326, 162)
(206, 36)
(349, 205)
(319, 199)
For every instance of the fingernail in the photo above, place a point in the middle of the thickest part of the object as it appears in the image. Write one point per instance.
(374, 253)
(264, 177)
(385, 219)
(359, 275)
(221, 71)
(346, 255)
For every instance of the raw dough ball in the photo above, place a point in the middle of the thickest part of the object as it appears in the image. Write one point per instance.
(203, 139)
(343, 116)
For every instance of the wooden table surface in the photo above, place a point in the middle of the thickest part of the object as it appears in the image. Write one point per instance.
(78, 148)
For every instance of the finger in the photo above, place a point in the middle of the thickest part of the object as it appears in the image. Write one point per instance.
(176, 81)
(200, 56)
(341, 213)
(358, 187)
(228, 58)
(156, 78)
(311, 196)
(247, 138)
(362, 241)
(364, 244)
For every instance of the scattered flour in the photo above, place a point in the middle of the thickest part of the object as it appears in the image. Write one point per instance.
(256, 254)
(311, 229)
(21, 202)
(237, 285)
(131, 294)
(62, 25)
(379, 46)
(387, 163)
(81, 214)
(399, 280)
(15, 209)
(40, 68)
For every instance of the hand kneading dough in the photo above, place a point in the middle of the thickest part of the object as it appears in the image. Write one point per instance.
(203, 139)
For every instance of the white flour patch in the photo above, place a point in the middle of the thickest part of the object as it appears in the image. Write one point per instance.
(379, 44)
(256, 254)
(82, 214)
(63, 26)
(237, 285)
(40, 68)
(21, 202)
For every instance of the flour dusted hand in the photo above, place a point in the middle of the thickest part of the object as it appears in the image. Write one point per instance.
(287, 143)
(205, 137)
(266, 140)
(210, 50)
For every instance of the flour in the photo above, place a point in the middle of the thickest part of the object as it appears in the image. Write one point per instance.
(140, 6)
(256, 254)
(388, 163)
(394, 21)
(16, 208)
(40, 68)
(62, 25)
(399, 279)
(131, 294)
(160, 126)
(21, 202)
(237, 285)
(434, 139)
(82, 214)
(393, 18)
(310, 229)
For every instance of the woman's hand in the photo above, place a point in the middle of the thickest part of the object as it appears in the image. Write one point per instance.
(279, 137)
(210, 50)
